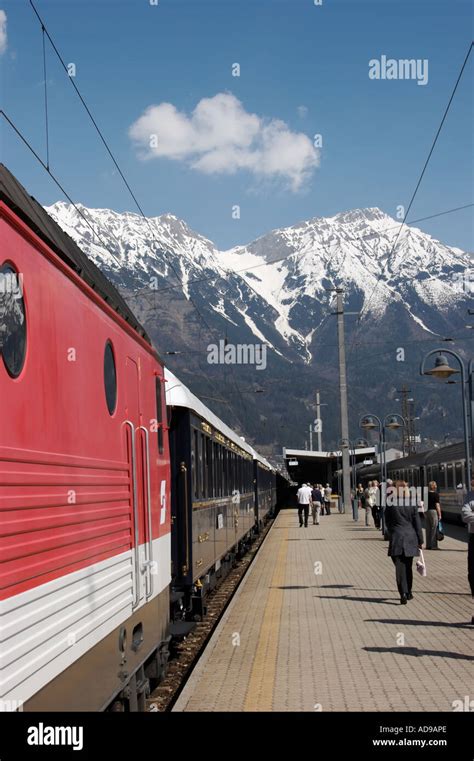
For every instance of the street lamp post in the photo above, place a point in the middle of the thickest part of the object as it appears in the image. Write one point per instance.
(344, 443)
(442, 370)
(392, 423)
(369, 422)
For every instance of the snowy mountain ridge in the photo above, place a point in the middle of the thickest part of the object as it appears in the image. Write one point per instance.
(279, 285)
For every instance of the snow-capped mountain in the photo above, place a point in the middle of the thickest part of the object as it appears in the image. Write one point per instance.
(272, 277)
(408, 286)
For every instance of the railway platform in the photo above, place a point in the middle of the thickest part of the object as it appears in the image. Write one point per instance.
(316, 625)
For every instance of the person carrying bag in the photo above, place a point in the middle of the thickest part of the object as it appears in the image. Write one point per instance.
(405, 539)
(420, 564)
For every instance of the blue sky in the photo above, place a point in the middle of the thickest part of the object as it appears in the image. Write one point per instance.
(130, 55)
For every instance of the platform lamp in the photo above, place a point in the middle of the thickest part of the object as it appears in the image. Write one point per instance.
(442, 371)
(370, 423)
(392, 423)
(352, 446)
(361, 442)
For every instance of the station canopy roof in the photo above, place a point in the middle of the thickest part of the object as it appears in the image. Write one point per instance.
(311, 454)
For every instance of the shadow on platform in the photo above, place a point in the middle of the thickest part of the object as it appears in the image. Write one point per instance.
(419, 652)
(416, 622)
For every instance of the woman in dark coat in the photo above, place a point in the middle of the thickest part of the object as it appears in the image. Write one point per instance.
(405, 536)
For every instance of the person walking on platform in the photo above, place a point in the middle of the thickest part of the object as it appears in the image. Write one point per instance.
(370, 507)
(360, 497)
(366, 504)
(468, 517)
(405, 539)
(327, 499)
(432, 516)
(377, 506)
(316, 500)
(304, 500)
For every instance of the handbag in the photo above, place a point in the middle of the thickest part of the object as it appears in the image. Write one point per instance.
(439, 532)
(420, 564)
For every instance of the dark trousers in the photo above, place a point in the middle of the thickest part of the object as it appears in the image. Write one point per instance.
(404, 573)
(303, 509)
(327, 505)
(431, 524)
(376, 516)
(470, 562)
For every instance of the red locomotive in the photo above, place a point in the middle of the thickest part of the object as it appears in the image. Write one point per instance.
(84, 477)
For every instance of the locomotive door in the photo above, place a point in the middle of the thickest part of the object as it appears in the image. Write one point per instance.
(137, 458)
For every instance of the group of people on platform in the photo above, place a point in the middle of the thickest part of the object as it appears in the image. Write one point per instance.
(316, 497)
(402, 524)
(375, 495)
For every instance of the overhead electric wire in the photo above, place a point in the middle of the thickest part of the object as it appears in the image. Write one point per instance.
(54, 178)
(122, 175)
(425, 166)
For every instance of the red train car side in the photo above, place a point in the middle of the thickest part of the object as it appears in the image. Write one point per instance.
(84, 477)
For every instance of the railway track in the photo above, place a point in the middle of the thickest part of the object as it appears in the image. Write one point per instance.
(189, 650)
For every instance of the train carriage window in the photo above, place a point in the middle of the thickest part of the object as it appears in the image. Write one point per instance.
(450, 476)
(433, 474)
(226, 471)
(216, 468)
(159, 414)
(202, 466)
(221, 470)
(110, 378)
(194, 462)
(210, 468)
(459, 474)
(223, 473)
(442, 476)
(12, 320)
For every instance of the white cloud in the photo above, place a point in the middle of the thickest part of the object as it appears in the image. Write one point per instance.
(221, 137)
(3, 32)
(302, 111)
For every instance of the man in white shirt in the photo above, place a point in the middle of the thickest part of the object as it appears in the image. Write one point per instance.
(304, 501)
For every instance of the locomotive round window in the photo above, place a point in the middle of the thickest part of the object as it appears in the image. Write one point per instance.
(12, 320)
(110, 378)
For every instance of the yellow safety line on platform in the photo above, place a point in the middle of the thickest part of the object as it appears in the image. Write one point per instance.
(262, 678)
